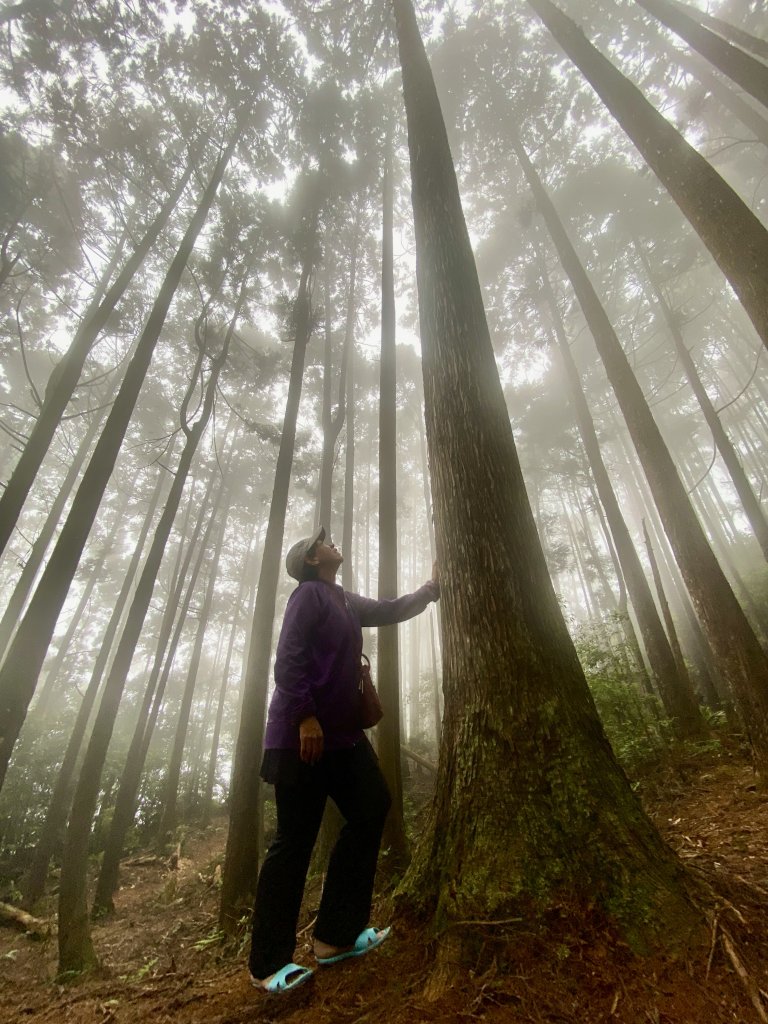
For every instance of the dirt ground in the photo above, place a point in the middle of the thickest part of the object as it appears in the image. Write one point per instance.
(162, 963)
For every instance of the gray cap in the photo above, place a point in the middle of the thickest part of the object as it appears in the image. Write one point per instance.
(294, 560)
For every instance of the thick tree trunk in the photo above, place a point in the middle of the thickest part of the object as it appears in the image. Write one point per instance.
(349, 566)
(732, 233)
(674, 686)
(21, 667)
(75, 947)
(56, 817)
(530, 806)
(748, 498)
(387, 654)
(241, 859)
(741, 658)
(740, 67)
(66, 373)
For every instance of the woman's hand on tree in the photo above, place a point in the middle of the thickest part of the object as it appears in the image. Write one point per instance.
(311, 740)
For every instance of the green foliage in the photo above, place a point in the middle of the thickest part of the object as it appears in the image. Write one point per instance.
(142, 972)
(633, 720)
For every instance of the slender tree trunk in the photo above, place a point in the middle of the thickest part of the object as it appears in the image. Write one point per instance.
(387, 663)
(56, 817)
(241, 859)
(75, 947)
(732, 233)
(741, 659)
(737, 35)
(42, 706)
(674, 686)
(663, 603)
(21, 667)
(750, 504)
(125, 803)
(168, 819)
(333, 420)
(748, 72)
(35, 558)
(725, 95)
(530, 802)
(225, 686)
(66, 373)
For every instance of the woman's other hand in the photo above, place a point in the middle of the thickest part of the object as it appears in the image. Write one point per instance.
(311, 739)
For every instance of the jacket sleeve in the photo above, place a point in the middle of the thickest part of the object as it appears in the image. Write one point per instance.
(398, 609)
(293, 661)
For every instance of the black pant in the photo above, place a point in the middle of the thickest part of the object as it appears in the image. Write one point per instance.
(353, 780)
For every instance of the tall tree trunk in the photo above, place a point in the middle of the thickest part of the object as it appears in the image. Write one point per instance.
(333, 420)
(387, 661)
(35, 557)
(349, 567)
(42, 707)
(674, 686)
(66, 373)
(168, 820)
(748, 72)
(530, 801)
(663, 603)
(130, 779)
(225, 686)
(723, 28)
(241, 859)
(75, 947)
(749, 502)
(741, 658)
(725, 95)
(21, 666)
(732, 233)
(56, 817)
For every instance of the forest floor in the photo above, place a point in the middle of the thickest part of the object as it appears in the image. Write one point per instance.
(161, 960)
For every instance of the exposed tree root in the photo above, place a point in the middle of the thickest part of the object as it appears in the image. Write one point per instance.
(18, 918)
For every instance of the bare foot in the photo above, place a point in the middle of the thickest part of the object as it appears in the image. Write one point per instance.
(323, 950)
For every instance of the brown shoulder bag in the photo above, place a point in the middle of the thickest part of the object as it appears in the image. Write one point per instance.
(371, 711)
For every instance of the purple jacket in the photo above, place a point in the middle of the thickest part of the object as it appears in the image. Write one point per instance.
(317, 667)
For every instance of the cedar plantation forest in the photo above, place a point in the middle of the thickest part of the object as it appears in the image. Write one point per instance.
(475, 282)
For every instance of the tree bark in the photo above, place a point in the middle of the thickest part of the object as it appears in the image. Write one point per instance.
(35, 558)
(748, 498)
(75, 947)
(56, 817)
(740, 656)
(673, 684)
(241, 858)
(21, 667)
(168, 820)
(349, 565)
(387, 654)
(740, 67)
(530, 803)
(130, 779)
(733, 234)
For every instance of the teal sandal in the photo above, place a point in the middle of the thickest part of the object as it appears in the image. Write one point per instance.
(364, 943)
(279, 981)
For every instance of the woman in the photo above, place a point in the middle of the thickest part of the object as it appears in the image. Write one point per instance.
(315, 748)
